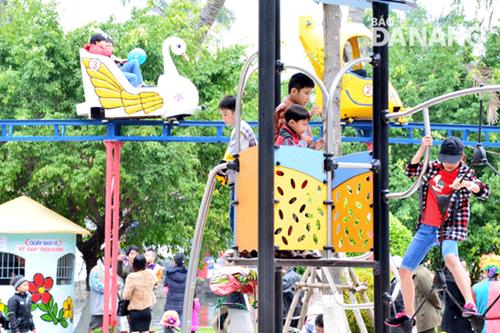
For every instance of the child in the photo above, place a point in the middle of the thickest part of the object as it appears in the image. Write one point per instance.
(156, 269)
(296, 120)
(300, 88)
(170, 320)
(318, 324)
(446, 205)
(20, 318)
(487, 292)
(291, 134)
(103, 45)
(227, 107)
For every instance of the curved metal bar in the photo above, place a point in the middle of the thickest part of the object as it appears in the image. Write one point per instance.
(313, 76)
(239, 97)
(329, 142)
(425, 164)
(196, 248)
(443, 98)
(331, 92)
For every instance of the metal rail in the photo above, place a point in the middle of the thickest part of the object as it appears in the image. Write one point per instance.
(443, 98)
(57, 130)
(194, 257)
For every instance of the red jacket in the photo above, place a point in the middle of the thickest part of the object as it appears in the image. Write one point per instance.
(97, 49)
(287, 137)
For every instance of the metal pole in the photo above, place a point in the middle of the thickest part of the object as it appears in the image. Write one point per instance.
(381, 153)
(278, 282)
(267, 76)
(111, 235)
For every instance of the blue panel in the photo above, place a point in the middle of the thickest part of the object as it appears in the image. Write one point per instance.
(341, 175)
(310, 161)
(306, 160)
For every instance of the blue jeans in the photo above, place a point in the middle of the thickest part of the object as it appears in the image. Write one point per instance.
(422, 242)
(132, 71)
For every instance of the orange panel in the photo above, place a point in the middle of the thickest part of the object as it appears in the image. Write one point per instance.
(247, 195)
(353, 214)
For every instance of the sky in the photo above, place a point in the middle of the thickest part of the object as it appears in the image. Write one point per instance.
(74, 14)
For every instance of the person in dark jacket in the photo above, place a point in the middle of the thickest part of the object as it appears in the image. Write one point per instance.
(452, 316)
(20, 318)
(174, 281)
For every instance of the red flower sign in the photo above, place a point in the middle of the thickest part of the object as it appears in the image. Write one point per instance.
(40, 287)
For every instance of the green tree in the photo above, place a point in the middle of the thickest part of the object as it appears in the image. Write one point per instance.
(161, 184)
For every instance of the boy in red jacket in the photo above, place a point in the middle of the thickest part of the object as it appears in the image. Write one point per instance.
(103, 45)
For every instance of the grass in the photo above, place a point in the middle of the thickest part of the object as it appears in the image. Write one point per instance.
(206, 330)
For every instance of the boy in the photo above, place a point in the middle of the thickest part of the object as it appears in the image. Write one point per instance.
(446, 190)
(296, 120)
(103, 45)
(300, 88)
(227, 107)
(156, 269)
(20, 318)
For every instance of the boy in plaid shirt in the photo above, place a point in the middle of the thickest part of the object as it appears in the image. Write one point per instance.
(227, 107)
(445, 200)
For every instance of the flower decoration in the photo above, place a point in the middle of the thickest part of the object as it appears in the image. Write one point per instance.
(68, 308)
(40, 287)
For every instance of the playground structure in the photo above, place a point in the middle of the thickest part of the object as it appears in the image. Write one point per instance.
(266, 231)
(108, 94)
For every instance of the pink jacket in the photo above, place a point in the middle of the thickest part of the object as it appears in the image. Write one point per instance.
(96, 49)
(196, 311)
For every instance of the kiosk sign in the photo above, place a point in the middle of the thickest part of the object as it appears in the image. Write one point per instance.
(41, 246)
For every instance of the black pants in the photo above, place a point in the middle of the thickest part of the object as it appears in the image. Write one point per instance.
(140, 320)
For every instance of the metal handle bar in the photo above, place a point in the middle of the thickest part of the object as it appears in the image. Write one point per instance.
(196, 248)
(443, 98)
(425, 165)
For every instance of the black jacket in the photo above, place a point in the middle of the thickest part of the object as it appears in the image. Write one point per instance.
(20, 318)
(175, 279)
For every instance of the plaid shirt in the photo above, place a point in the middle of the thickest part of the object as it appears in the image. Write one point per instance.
(247, 140)
(455, 225)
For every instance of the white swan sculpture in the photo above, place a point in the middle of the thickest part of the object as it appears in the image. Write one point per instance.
(181, 96)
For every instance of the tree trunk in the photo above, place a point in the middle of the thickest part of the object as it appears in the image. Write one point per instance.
(356, 14)
(208, 15)
(332, 18)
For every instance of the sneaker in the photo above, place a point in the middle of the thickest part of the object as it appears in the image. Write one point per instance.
(399, 320)
(470, 310)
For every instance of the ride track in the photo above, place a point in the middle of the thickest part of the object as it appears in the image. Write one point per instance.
(58, 130)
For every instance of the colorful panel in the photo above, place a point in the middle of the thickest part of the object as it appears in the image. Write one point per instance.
(352, 217)
(308, 161)
(299, 212)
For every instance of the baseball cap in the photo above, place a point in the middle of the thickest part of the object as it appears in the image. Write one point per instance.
(451, 151)
(17, 281)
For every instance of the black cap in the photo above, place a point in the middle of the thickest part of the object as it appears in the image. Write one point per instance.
(452, 150)
(98, 37)
(17, 281)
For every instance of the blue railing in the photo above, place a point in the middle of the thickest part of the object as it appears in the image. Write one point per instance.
(210, 131)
